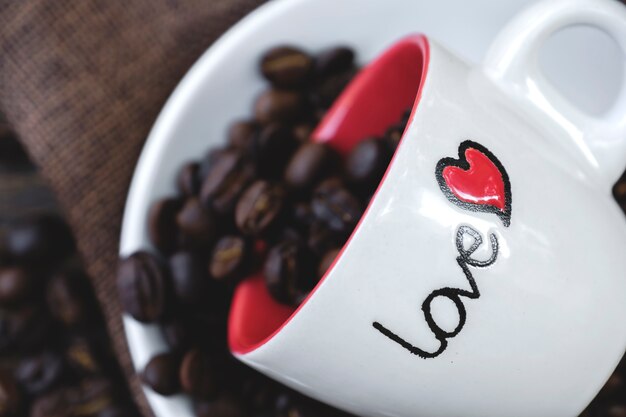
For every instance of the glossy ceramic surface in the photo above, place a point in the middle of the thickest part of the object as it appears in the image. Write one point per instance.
(509, 244)
(196, 116)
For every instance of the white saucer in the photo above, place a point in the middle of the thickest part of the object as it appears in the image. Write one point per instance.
(221, 85)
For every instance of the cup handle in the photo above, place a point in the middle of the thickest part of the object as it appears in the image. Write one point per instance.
(513, 61)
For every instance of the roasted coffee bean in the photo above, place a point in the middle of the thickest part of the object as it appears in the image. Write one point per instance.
(310, 163)
(199, 374)
(118, 411)
(302, 216)
(230, 259)
(26, 330)
(367, 162)
(209, 161)
(242, 135)
(393, 135)
(286, 66)
(85, 357)
(162, 227)
(336, 207)
(284, 401)
(224, 406)
(40, 241)
(229, 176)
(259, 207)
(275, 144)
(142, 283)
(334, 60)
(322, 239)
(327, 261)
(328, 89)
(70, 298)
(259, 393)
(53, 404)
(16, 285)
(5, 257)
(92, 397)
(189, 278)
(178, 334)
(11, 400)
(38, 374)
(161, 374)
(302, 132)
(196, 224)
(289, 272)
(189, 179)
(279, 106)
(616, 411)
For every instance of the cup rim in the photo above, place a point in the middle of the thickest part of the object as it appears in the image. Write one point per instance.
(330, 130)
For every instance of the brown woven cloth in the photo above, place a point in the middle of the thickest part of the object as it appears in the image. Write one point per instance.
(82, 83)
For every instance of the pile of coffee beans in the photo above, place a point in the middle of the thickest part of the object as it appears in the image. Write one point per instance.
(271, 201)
(55, 359)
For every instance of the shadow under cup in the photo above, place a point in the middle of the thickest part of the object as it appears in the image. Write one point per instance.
(376, 99)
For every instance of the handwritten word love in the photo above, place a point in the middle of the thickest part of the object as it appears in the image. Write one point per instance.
(478, 182)
(464, 260)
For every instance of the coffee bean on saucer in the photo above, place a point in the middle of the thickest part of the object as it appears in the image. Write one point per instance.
(143, 288)
(38, 374)
(336, 207)
(230, 258)
(334, 60)
(178, 334)
(393, 135)
(16, 285)
(275, 144)
(225, 181)
(302, 132)
(242, 136)
(327, 261)
(321, 239)
(162, 227)
(199, 374)
(11, 399)
(259, 207)
(196, 224)
(189, 278)
(289, 271)
(310, 163)
(188, 180)
(613, 386)
(69, 297)
(42, 240)
(286, 66)
(224, 406)
(279, 106)
(161, 374)
(301, 216)
(616, 411)
(329, 88)
(367, 162)
(208, 162)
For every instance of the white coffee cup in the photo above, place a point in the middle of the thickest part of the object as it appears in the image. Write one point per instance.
(487, 276)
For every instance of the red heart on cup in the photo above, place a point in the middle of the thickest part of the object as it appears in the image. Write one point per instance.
(476, 181)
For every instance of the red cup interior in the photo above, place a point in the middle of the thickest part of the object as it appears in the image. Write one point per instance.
(373, 101)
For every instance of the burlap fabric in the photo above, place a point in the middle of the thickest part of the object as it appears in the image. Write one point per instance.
(82, 81)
